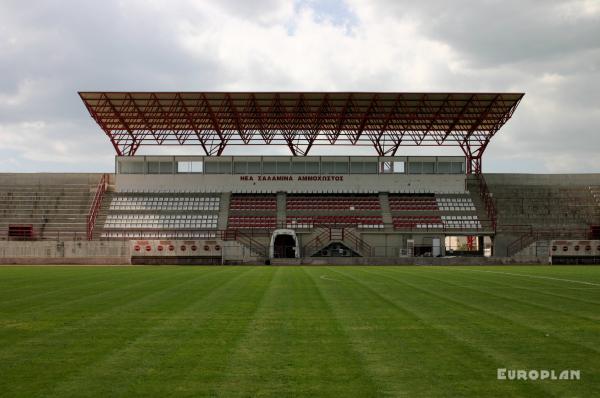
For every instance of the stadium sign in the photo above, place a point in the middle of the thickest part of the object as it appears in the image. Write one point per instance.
(292, 178)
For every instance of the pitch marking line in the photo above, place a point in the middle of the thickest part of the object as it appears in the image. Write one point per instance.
(527, 276)
(325, 277)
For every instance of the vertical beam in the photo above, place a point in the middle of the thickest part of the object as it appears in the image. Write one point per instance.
(134, 143)
(190, 120)
(365, 118)
(216, 125)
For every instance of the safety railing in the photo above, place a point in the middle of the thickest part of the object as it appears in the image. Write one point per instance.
(47, 236)
(96, 205)
(488, 200)
(357, 242)
(533, 235)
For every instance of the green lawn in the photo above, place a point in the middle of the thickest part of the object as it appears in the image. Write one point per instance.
(296, 331)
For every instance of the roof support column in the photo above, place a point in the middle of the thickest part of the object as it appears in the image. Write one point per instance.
(474, 157)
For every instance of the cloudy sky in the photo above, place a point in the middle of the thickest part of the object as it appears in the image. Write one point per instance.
(548, 49)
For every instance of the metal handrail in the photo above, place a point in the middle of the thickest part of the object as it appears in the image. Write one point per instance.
(488, 200)
(95, 206)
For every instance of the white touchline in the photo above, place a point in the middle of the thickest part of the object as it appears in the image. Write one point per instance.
(526, 275)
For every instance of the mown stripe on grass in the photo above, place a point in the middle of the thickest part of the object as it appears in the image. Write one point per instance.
(545, 277)
(411, 352)
(90, 335)
(33, 293)
(516, 344)
(165, 350)
(525, 297)
(539, 288)
(69, 290)
(70, 311)
(587, 326)
(228, 325)
(293, 347)
(519, 314)
(455, 361)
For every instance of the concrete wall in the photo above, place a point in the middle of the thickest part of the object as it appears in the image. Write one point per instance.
(356, 183)
(542, 179)
(424, 261)
(66, 252)
(49, 178)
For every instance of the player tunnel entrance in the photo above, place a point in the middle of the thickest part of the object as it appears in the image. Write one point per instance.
(284, 244)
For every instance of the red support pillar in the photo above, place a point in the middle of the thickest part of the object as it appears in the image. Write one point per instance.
(473, 164)
(471, 242)
(474, 157)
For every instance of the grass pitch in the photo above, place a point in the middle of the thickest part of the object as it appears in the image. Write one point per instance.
(296, 331)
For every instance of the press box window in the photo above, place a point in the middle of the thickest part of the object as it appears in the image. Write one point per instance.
(283, 167)
(160, 167)
(299, 168)
(217, 168)
(392, 167)
(334, 168)
(458, 167)
(253, 167)
(305, 167)
(131, 167)
(363, 168)
(444, 167)
(415, 167)
(240, 167)
(269, 168)
(428, 167)
(189, 167)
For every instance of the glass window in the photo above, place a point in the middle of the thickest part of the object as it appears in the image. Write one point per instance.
(340, 168)
(166, 167)
(399, 167)
(225, 167)
(458, 167)
(370, 168)
(392, 167)
(387, 167)
(253, 167)
(240, 167)
(428, 167)
(196, 166)
(356, 168)
(153, 167)
(269, 168)
(218, 167)
(327, 168)
(131, 167)
(415, 167)
(298, 168)
(312, 167)
(189, 167)
(212, 167)
(283, 167)
(444, 167)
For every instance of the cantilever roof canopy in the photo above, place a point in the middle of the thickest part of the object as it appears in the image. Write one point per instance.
(300, 120)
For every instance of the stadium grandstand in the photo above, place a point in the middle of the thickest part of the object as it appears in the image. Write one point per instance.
(299, 208)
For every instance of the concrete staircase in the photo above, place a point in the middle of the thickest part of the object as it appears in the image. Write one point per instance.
(532, 210)
(321, 237)
(386, 213)
(475, 195)
(104, 208)
(281, 209)
(224, 210)
(56, 207)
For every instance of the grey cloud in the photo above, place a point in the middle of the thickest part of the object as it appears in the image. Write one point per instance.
(51, 50)
(498, 32)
